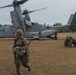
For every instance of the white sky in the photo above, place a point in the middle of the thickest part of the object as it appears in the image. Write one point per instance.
(58, 11)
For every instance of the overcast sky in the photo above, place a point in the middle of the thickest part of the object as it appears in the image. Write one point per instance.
(58, 11)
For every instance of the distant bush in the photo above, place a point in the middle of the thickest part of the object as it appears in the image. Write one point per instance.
(57, 24)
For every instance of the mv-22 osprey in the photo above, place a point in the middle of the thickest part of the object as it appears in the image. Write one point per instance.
(30, 29)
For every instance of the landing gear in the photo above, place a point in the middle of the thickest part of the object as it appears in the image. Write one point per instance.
(53, 37)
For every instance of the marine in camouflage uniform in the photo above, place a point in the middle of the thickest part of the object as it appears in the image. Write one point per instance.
(68, 41)
(20, 42)
(74, 42)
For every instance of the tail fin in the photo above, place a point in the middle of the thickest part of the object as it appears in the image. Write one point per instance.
(70, 19)
(72, 22)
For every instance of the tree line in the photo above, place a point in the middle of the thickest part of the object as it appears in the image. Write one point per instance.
(73, 28)
(56, 24)
(4, 25)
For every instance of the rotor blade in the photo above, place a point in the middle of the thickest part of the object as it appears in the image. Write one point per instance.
(6, 6)
(22, 1)
(37, 10)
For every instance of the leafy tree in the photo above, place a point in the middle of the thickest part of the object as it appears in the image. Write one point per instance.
(57, 24)
(1, 25)
(6, 25)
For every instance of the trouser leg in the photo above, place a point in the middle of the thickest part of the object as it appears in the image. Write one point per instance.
(25, 62)
(70, 44)
(17, 63)
(18, 68)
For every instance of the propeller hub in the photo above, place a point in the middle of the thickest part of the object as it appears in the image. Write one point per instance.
(25, 12)
(15, 3)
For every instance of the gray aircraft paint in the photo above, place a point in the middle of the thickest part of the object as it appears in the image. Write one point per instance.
(30, 29)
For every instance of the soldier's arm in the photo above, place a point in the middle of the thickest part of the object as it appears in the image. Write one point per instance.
(25, 44)
(14, 45)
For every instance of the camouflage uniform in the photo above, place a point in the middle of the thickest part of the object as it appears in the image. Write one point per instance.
(21, 42)
(74, 42)
(68, 42)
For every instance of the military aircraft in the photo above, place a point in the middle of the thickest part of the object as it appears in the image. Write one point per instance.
(21, 20)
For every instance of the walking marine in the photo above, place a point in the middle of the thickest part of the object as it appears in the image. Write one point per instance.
(21, 53)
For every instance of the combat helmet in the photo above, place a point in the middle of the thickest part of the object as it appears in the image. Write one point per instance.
(19, 31)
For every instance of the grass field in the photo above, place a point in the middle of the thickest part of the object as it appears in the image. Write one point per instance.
(47, 57)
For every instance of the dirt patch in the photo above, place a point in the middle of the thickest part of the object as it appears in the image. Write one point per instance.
(47, 57)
